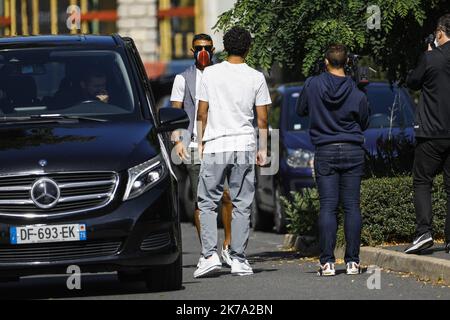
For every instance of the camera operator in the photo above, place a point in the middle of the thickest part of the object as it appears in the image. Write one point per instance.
(339, 114)
(432, 129)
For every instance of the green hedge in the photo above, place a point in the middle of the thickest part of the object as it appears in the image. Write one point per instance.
(387, 208)
(302, 212)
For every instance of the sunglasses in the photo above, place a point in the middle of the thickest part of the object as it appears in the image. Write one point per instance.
(200, 48)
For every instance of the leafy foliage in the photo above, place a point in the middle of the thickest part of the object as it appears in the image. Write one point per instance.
(302, 212)
(296, 32)
(388, 210)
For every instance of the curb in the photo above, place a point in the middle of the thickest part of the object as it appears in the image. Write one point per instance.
(428, 268)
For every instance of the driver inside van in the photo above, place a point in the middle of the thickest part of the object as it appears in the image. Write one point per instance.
(93, 87)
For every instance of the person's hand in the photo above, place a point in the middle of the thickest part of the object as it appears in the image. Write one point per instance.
(200, 151)
(103, 97)
(430, 48)
(261, 158)
(181, 151)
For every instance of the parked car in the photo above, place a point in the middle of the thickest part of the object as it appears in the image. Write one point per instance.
(297, 153)
(85, 175)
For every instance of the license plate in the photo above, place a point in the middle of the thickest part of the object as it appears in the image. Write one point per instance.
(46, 234)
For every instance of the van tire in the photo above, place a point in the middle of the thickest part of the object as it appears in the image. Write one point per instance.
(165, 278)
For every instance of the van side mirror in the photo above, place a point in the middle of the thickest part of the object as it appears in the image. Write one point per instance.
(171, 119)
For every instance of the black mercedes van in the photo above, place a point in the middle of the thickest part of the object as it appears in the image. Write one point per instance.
(85, 174)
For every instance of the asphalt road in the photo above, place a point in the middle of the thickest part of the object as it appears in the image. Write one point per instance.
(278, 276)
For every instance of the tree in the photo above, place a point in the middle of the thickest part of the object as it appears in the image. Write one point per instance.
(296, 32)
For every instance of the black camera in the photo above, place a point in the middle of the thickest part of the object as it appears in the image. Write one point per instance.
(430, 41)
(319, 67)
(359, 74)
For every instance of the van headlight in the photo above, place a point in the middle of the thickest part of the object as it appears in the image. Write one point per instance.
(300, 158)
(144, 176)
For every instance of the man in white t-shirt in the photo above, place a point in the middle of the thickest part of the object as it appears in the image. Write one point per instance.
(228, 93)
(184, 91)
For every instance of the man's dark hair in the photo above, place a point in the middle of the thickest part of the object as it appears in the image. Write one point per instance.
(202, 36)
(337, 55)
(444, 24)
(237, 41)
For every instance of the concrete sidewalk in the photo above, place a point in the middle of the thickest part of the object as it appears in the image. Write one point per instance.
(432, 264)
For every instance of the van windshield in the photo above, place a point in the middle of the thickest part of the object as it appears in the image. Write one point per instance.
(67, 82)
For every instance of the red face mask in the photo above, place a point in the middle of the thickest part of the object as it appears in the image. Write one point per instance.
(203, 58)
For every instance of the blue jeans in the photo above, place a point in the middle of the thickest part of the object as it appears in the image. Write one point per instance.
(339, 169)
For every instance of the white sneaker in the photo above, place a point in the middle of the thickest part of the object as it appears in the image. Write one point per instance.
(206, 266)
(353, 268)
(327, 270)
(241, 268)
(226, 256)
(200, 261)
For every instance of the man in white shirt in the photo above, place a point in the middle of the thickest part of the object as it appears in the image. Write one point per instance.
(228, 93)
(184, 91)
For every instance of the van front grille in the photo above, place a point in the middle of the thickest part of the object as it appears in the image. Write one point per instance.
(156, 242)
(82, 191)
(58, 251)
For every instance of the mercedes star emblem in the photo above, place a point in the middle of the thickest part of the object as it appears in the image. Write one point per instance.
(45, 193)
(42, 163)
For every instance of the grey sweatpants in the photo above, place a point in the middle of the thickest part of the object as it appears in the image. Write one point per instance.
(238, 167)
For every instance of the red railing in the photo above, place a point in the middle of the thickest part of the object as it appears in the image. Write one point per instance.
(105, 15)
(177, 12)
(4, 22)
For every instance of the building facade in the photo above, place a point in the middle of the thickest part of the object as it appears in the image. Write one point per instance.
(162, 29)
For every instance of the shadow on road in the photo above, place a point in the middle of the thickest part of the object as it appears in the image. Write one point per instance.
(55, 287)
(274, 256)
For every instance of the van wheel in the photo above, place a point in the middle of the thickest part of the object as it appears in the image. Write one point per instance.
(165, 278)
(280, 215)
(260, 220)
